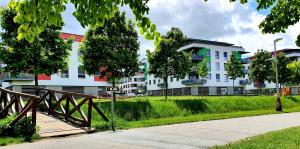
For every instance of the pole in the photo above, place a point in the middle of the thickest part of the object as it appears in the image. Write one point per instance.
(278, 102)
(113, 99)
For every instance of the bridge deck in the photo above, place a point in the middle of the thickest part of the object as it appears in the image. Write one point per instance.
(50, 126)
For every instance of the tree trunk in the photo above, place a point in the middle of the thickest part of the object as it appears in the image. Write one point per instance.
(233, 86)
(278, 103)
(36, 85)
(113, 100)
(202, 87)
(166, 87)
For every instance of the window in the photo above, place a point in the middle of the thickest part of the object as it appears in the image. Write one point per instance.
(81, 72)
(218, 77)
(225, 55)
(217, 66)
(158, 80)
(171, 79)
(146, 83)
(208, 53)
(154, 81)
(209, 76)
(177, 79)
(65, 73)
(149, 82)
(217, 55)
(135, 79)
(226, 78)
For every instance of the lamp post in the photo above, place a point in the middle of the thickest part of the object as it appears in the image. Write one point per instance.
(278, 102)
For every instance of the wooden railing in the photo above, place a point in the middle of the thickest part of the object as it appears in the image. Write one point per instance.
(58, 103)
(11, 103)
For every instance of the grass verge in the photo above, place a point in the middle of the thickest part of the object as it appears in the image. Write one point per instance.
(16, 140)
(282, 139)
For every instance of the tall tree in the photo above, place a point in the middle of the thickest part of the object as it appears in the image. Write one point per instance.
(294, 67)
(260, 67)
(202, 70)
(166, 61)
(235, 69)
(46, 55)
(284, 73)
(112, 49)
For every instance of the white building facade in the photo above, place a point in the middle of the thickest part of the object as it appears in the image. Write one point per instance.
(73, 79)
(217, 81)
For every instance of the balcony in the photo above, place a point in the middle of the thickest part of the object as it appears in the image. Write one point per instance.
(245, 82)
(194, 82)
(196, 57)
(162, 85)
(246, 61)
(20, 77)
(258, 84)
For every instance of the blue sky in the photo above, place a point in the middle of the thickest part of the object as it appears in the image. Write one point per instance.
(214, 20)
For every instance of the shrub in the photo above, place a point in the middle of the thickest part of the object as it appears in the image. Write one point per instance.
(23, 128)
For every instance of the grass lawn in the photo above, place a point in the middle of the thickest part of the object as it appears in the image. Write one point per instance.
(154, 111)
(283, 139)
(15, 140)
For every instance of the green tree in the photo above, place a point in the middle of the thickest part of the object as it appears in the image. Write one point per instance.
(166, 61)
(34, 15)
(46, 55)
(284, 73)
(202, 70)
(261, 67)
(294, 67)
(114, 48)
(235, 69)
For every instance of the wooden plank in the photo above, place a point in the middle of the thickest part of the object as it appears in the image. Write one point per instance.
(79, 105)
(75, 104)
(18, 93)
(89, 113)
(73, 93)
(100, 112)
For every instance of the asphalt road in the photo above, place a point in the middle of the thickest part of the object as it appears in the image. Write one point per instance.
(188, 135)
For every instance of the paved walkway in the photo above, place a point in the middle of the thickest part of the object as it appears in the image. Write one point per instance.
(188, 135)
(51, 127)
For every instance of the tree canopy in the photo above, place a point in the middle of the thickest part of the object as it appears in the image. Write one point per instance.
(47, 55)
(295, 71)
(34, 15)
(112, 47)
(234, 68)
(261, 67)
(166, 61)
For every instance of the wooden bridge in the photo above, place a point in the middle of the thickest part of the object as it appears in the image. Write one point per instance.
(57, 113)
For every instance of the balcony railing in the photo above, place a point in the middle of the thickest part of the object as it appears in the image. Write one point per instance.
(194, 81)
(20, 77)
(245, 82)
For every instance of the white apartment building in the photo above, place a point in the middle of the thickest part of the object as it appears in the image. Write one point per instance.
(217, 82)
(74, 79)
(135, 85)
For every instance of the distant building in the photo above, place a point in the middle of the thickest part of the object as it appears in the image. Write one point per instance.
(135, 85)
(270, 87)
(217, 82)
(72, 79)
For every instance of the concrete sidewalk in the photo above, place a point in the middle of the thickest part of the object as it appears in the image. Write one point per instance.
(188, 135)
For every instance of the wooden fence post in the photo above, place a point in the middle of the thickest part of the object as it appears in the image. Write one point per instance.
(34, 104)
(89, 112)
(67, 107)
